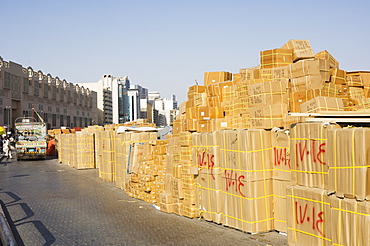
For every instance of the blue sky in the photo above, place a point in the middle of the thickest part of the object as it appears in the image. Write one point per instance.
(166, 45)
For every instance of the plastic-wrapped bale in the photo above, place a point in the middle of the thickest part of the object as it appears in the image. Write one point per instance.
(206, 158)
(349, 221)
(85, 158)
(309, 154)
(122, 145)
(247, 179)
(349, 171)
(281, 176)
(107, 169)
(308, 211)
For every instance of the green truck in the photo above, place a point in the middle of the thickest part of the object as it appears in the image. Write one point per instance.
(30, 138)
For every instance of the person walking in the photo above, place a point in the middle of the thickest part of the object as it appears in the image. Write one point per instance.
(6, 148)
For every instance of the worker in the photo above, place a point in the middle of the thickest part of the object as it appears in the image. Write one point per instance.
(51, 146)
(6, 148)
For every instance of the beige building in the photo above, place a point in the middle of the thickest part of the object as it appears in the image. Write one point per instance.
(59, 103)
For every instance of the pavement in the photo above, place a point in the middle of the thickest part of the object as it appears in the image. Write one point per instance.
(48, 203)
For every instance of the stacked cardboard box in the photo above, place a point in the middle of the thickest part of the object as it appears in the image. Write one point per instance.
(84, 151)
(268, 103)
(349, 221)
(349, 184)
(308, 205)
(247, 179)
(309, 152)
(107, 169)
(281, 169)
(186, 175)
(206, 162)
(349, 170)
(308, 216)
(122, 145)
(141, 169)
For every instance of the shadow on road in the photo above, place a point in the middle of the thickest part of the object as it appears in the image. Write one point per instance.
(40, 227)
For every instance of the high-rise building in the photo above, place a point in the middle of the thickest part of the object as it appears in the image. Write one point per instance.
(165, 108)
(113, 99)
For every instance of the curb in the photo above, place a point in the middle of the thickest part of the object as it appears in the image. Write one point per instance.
(6, 235)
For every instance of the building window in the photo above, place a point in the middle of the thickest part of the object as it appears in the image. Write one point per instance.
(7, 83)
(46, 90)
(61, 120)
(54, 92)
(58, 109)
(41, 107)
(36, 87)
(53, 120)
(26, 85)
(68, 120)
(50, 108)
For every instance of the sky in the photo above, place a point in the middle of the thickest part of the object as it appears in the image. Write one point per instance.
(166, 46)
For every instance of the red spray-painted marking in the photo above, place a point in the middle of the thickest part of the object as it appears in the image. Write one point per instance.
(305, 215)
(281, 157)
(234, 181)
(206, 160)
(303, 151)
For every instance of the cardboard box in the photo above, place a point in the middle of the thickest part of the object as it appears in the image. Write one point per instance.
(309, 82)
(216, 77)
(281, 154)
(248, 205)
(250, 73)
(321, 103)
(308, 216)
(220, 124)
(268, 93)
(309, 152)
(280, 204)
(349, 171)
(310, 67)
(301, 49)
(349, 221)
(280, 73)
(333, 63)
(338, 76)
(267, 117)
(276, 58)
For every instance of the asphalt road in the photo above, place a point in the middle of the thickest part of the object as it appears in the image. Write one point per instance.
(48, 203)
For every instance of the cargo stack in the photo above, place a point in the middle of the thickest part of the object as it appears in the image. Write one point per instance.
(140, 167)
(247, 179)
(281, 174)
(122, 145)
(107, 169)
(97, 131)
(170, 199)
(307, 203)
(206, 164)
(84, 151)
(159, 151)
(186, 174)
(349, 184)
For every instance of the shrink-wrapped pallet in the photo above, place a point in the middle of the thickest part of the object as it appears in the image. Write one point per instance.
(309, 154)
(349, 221)
(206, 157)
(349, 158)
(107, 170)
(85, 157)
(247, 179)
(308, 213)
